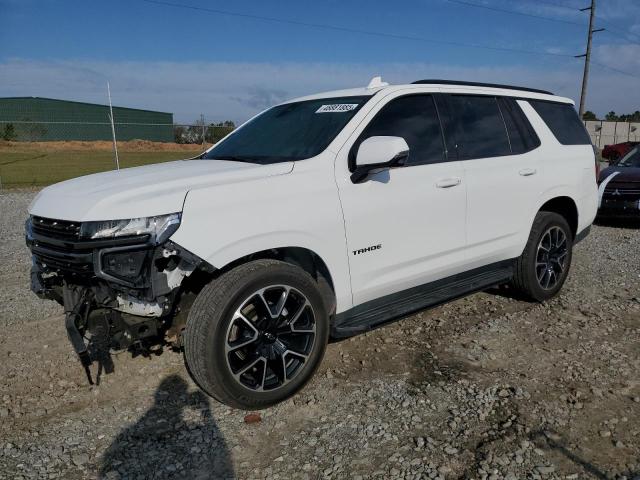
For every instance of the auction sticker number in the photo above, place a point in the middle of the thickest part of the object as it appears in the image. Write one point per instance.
(337, 108)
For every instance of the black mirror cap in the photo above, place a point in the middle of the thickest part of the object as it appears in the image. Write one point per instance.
(360, 173)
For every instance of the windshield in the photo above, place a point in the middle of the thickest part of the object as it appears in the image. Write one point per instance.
(631, 159)
(293, 131)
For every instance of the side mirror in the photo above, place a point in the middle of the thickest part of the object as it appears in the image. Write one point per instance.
(379, 152)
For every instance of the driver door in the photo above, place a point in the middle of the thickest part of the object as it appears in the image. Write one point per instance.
(405, 226)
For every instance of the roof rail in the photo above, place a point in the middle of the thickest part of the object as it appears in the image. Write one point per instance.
(476, 84)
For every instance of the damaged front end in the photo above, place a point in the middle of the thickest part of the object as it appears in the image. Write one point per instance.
(123, 284)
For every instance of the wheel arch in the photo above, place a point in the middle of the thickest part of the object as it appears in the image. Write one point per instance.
(566, 207)
(302, 257)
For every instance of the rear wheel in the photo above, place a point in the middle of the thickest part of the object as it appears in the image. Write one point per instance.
(257, 334)
(543, 267)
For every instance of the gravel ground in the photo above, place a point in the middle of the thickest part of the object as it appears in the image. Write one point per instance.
(486, 387)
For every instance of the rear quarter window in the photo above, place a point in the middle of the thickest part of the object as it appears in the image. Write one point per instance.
(562, 119)
(522, 136)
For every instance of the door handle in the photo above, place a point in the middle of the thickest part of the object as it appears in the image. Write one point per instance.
(448, 182)
(527, 172)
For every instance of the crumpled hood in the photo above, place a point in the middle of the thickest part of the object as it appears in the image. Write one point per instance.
(142, 191)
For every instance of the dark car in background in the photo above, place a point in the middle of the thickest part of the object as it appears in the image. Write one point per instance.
(615, 152)
(619, 187)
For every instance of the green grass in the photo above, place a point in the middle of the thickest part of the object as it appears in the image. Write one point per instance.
(39, 168)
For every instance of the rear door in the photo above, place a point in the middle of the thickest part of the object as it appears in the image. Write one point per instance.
(496, 146)
(405, 226)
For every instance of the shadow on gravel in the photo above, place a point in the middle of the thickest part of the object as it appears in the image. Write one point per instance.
(176, 438)
(507, 291)
(552, 441)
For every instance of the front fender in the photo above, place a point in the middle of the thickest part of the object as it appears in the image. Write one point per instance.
(301, 209)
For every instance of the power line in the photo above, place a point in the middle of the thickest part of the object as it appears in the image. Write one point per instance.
(327, 26)
(622, 72)
(553, 4)
(625, 35)
(515, 12)
(576, 10)
(550, 19)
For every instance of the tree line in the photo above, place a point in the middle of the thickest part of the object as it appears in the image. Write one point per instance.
(613, 116)
(212, 132)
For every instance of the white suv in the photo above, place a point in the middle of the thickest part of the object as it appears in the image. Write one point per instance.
(322, 217)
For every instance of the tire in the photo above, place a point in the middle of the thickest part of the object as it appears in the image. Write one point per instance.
(532, 277)
(239, 352)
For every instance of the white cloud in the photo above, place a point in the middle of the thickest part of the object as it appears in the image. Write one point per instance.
(238, 90)
(623, 57)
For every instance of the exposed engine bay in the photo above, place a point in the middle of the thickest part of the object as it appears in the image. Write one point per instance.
(123, 292)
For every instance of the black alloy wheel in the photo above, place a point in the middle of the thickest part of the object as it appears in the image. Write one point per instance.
(544, 265)
(270, 337)
(551, 257)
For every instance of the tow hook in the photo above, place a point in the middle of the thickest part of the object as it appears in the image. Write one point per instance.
(76, 307)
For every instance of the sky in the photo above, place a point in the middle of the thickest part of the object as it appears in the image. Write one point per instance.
(223, 60)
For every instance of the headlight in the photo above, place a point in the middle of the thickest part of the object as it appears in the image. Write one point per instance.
(159, 228)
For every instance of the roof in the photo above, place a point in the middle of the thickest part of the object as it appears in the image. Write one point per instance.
(82, 103)
(443, 86)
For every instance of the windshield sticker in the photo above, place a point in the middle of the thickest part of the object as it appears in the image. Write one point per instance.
(337, 108)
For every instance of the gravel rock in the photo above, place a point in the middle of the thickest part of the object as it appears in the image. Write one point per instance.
(486, 387)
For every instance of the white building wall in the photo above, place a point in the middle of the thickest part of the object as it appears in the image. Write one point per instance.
(607, 133)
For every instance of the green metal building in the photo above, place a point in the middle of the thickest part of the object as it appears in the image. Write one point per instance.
(35, 119)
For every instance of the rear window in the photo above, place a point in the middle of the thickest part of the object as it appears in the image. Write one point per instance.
(478, 127)
(563, 121)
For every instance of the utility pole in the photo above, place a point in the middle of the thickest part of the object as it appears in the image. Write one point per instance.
(587, 55)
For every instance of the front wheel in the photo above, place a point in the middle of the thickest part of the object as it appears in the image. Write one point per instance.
(543, 267)
(256, 335)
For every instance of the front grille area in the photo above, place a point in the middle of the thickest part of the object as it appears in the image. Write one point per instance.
(72, 263)
(621, 191)
(58, 229)
(56, 246)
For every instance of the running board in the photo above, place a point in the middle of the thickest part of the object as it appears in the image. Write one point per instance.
(398, 305)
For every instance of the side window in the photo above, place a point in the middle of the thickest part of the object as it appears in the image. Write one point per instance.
(478, 127)
(563, 121)
(522, 136)
(415, 119)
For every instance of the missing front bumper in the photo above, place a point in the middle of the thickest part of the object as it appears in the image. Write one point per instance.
(126, 300)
